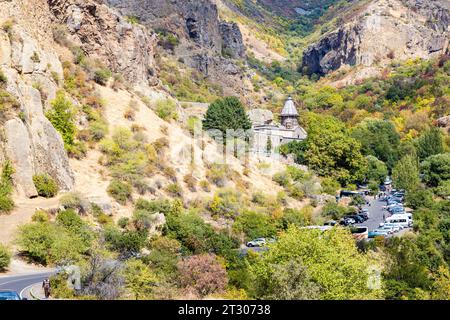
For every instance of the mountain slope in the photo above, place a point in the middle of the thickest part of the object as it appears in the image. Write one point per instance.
(381, 32)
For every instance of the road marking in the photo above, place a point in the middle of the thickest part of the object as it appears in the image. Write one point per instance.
(21, 292)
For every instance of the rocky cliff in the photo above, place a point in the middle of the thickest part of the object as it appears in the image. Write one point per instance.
(32, 71)
(105, 35)
(205, 43)
(383, 31)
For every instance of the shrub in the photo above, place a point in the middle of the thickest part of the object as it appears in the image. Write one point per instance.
(204, 184)
(45, 185)
(330, 186)
(255, 225)
(5, 257)
(166, 109)
(217, 174)
(191, 182)
(48, 243)
(40, 216)
(282, 178)
(120, 191)
(3, 79)
(8, 25)
(174, 190)
(76, 201)
(102, 76)
(6, 188)
(61, 116)
(204, 274)
(123, 222)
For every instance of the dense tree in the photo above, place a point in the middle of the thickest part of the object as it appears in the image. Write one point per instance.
(430, 143)
(380, 139)
(333, 263)
(405, 174)
(436, 169)
(331, 152)
(255, 225)
(376, 170)
(227, 116)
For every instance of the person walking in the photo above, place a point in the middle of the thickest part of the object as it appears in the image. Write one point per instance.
(46, 287)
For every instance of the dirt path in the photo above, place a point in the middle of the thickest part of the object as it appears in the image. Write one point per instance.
(25, 208)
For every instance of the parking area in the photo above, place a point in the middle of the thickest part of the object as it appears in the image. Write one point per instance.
(378, 215)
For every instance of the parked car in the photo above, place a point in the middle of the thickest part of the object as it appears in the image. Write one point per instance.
(377, 233)
(395, 227)
(389, 229)
(330, 223)
(364, 217)
(346, 222)
(260, 242)
(9, 295)
(356, 218)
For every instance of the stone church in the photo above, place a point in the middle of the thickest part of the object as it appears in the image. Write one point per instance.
(270, 135)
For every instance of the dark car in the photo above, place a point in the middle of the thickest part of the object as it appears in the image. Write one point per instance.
(363, 216)
(9, 295)
(357, 218)
(347, 222)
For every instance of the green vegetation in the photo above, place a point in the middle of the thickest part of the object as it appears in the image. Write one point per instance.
(65, 240)
(6, 188)
(166, 109)
(332, 268)
(121, 191)
(45, 185)
(62, 117)
(5, 257)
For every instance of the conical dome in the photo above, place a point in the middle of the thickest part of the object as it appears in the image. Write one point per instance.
(289, 109)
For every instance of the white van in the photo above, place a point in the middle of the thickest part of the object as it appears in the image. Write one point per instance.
(402, 220)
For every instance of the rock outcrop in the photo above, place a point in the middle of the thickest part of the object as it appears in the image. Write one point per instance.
(384, 30)
(205, 43)
(103, 34)
(30, 141)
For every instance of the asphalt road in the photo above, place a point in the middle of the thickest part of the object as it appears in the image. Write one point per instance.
(20, 283)
(376, 214)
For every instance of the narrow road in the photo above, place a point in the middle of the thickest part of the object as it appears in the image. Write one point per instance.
(21, 283)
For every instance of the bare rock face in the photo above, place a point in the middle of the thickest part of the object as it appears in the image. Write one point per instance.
(19, 151)
(31, 142)
(232, 39)
(206, 43)
(105, 35)
(385, 30)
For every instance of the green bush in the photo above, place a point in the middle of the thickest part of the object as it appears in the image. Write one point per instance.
(45, 185)
(6, 188)
(40, 216)
(3, 79)
(255, 225)
(62, 116)
(48, 243)
(120, 191)
(102, 76)
(175, 190)
(282, 178)
(5, 257)
(166, 109)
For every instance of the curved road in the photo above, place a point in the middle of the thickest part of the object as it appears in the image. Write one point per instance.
(21, 283)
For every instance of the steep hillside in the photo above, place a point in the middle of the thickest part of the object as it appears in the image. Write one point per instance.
(383, 31)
